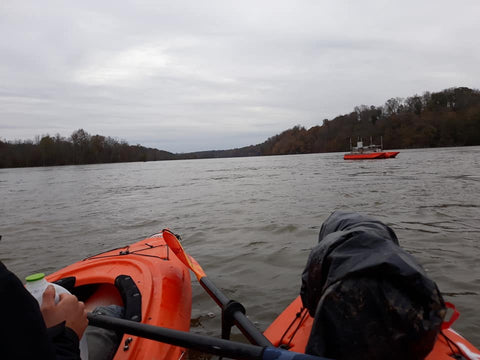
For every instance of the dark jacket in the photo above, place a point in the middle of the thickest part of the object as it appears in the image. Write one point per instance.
(370, 298)
(23, 333)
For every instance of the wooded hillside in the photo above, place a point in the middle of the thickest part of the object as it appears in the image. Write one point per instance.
(80, 148)
(447, 118)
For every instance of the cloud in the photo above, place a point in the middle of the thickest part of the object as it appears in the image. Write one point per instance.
(186, 76)
(130, 65)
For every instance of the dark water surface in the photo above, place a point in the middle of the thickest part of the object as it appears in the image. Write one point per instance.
(251, 222)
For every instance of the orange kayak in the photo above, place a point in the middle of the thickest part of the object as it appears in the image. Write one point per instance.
(148, 280)
(291, 330)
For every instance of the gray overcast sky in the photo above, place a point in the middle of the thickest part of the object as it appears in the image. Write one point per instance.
(198, 75)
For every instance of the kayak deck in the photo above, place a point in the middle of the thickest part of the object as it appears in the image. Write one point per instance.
(291, 330)
(147, 279)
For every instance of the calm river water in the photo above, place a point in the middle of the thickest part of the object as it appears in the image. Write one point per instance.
(251, 222)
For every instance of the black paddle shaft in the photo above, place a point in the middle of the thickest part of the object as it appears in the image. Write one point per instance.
(206, 344)
(197, 342)
(239, 318)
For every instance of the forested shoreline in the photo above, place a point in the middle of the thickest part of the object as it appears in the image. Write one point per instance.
(447, 118)
(79, 148)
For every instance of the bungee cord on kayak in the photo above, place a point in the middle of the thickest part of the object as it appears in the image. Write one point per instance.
(457, 353)
(128, 252)
(300, 317)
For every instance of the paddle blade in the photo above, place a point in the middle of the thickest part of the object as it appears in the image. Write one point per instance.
(174, 244)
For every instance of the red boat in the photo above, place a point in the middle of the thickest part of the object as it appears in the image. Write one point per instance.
(365, 156)
(369, 152)
(391, 154)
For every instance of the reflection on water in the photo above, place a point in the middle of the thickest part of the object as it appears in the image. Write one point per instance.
(251, 222)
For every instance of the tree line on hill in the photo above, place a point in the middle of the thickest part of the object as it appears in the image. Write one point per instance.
(80, 148)
(447, 118)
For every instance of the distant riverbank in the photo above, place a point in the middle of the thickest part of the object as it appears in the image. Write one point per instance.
(445, 119)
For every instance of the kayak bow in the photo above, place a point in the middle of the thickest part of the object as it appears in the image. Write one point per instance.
(151, 283)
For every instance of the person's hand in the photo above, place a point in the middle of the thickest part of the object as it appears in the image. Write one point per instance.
(68, 309)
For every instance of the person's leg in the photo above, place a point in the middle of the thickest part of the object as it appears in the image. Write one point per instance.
(103, 343)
